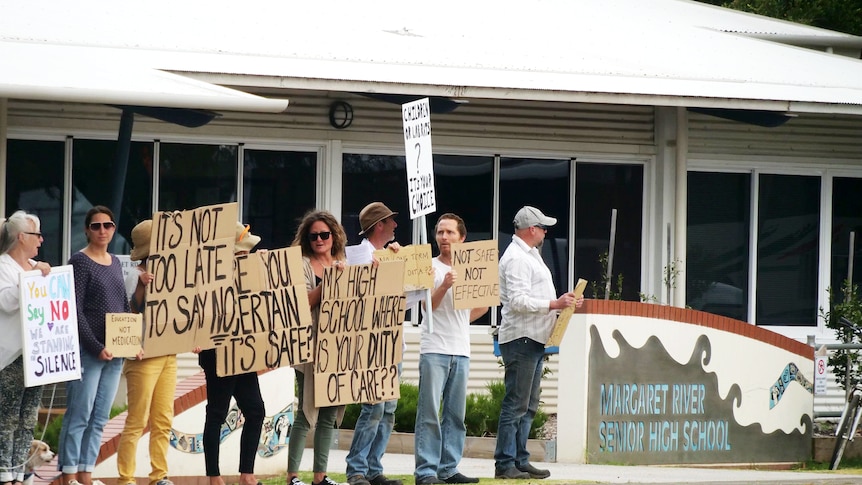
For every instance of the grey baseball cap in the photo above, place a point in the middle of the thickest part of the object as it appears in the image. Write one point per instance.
(529, 216)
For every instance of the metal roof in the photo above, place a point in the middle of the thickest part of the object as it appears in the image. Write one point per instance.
(660, 52)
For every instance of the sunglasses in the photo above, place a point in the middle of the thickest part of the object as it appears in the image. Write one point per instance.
(312, 236)
(108, 225)
(37, 234)
(542, 227)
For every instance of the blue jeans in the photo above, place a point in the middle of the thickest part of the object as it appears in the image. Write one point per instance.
(87, 410)
(370, 437)
(523, 359)
(440, 439)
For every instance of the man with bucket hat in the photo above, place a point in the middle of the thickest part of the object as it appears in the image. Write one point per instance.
(375, 422)
(530, 308)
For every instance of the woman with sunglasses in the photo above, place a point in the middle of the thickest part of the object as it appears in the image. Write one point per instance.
(19, 406)
(322, 240)
(99, 289)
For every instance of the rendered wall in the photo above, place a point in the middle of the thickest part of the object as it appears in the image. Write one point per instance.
(682, 388)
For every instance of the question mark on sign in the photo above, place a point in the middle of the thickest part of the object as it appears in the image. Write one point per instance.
(418, 155)
(394, 373)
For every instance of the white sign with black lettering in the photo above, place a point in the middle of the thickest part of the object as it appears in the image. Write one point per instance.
(420, 163)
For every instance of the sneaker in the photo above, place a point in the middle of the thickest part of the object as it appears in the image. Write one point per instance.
(459, 478)
(296, 481)
(357, 480)
(163, 481)
(429, 480)
(382, 480)
(510, 473)
(535, 472)
(326, 481)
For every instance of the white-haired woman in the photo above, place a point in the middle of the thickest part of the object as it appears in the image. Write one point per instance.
(20, 239)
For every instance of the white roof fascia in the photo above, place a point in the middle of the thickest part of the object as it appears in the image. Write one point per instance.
(57, 73)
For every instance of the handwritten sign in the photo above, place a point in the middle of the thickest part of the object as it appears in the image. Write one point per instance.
(562, 322)
(478, 282)
(359, 334)
(420, 163)
(418, 273)
(191, 294)
(49, 318)
(270, 325)
(123, 333)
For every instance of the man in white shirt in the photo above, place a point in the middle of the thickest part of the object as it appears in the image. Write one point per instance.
(530, 308)
(444, 365)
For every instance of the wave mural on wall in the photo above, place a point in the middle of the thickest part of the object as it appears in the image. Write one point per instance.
(274, 436)
(644, 407)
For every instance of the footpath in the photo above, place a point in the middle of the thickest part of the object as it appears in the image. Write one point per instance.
(402, 464)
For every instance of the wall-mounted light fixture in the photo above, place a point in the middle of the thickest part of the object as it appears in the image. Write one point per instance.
(340, 114)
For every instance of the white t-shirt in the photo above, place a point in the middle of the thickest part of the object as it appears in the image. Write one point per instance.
(451, 327)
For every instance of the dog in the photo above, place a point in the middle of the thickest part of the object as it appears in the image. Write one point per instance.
(40, 454)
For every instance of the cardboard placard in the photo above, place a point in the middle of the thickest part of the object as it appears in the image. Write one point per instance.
(49, 324)
(191, 259)
(418, 273)
(562, 322)
(123, 333)
(478, 283)
(359, 334)
(271, 324)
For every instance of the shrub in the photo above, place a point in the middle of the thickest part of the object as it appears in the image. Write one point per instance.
(483, 412)
(405, 413)
(481, 418)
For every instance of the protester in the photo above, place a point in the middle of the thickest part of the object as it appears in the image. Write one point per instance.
(245, 388)
(99, 289)
(20, 240)
(322, 240)
(375, 422)
(529, 311)
(150, 382)
(444, 367)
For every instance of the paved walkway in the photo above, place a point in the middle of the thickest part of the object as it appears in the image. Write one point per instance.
(399, 464)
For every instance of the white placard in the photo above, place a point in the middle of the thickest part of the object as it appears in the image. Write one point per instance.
(420, 163)
(49, 318)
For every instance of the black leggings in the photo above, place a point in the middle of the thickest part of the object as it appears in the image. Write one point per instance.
(246, 390)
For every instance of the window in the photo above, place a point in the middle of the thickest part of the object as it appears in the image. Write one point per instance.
(543, 184)
(192, 176)
(787, 249)
(94, 183)
(278, 188)
(717, 252)
(786, 238)
(846, 218)
(600, 188)
(34, 183)
(370, 178)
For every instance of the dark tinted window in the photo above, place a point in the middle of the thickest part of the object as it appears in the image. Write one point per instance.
(278, 188)
(34, 183)
(719, 206)
(787, 250)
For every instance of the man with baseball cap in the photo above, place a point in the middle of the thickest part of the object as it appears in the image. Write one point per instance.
(375, 422)
(529, 311)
